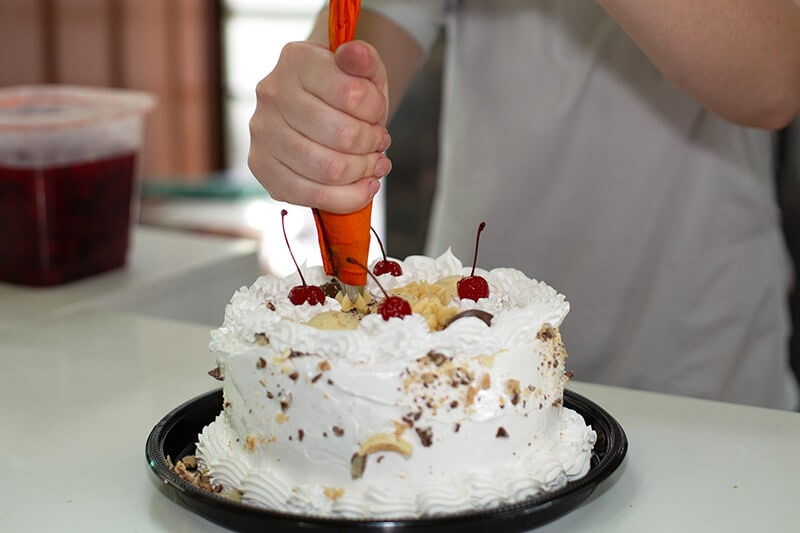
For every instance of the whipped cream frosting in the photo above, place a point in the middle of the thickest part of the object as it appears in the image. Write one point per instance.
(392, 419)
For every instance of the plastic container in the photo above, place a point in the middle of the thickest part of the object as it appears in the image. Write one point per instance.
(69, 180)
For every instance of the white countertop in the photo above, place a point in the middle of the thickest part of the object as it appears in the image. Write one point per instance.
(168, 274)
(80, 393)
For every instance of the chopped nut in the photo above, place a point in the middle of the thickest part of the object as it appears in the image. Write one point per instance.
(333, 494)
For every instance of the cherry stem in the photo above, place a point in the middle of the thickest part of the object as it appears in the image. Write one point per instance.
(284, 212)
(380, 243)
(481, 227)
(353, 261)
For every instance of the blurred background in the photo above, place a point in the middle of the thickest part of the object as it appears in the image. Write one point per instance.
(202, 59)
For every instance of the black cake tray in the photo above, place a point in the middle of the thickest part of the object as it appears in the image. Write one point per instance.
(175, 436)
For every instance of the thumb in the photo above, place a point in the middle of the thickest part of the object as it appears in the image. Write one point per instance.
(359, 58)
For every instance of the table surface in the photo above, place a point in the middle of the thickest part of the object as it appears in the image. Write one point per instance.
(79, 395)
(160, 264)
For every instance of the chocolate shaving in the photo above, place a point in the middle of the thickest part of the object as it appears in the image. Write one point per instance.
(546, 333)
(261, 363)
(216, 374)
(338, 431)
(501, 433)
(425, 436)
(331, 288)
(294, 375)
(286, 402)
(438, 358)
(477, 313)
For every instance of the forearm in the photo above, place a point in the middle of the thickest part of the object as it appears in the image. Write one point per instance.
(739, 59)
(399, 51)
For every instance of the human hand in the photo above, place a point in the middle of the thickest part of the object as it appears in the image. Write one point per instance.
(318, 131)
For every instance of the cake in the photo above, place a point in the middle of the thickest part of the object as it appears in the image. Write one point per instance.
(333, 410)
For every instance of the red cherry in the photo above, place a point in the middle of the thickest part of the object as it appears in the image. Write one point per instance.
(394, 307)
(300, 294)
(385, 266)
(474, 287)
(310, 294)
(391, 306)
(388, 267)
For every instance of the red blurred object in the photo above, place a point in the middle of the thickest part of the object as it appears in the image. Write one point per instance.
(69, 165)
(59, 224)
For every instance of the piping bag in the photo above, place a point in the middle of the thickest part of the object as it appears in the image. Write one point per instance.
(344, 235)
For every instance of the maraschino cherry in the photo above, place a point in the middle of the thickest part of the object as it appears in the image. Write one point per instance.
(385, 265)
(474, 287)
(391, 306)
(300, 294)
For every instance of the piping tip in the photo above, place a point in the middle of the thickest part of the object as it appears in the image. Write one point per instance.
(352, 291)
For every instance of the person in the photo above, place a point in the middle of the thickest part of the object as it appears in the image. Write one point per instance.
(620, 150)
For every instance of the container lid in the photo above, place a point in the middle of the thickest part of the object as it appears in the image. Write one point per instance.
(48, 107)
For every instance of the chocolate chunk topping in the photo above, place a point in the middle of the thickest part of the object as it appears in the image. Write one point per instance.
(501, 433)
(477, 313)
(286, 401)
(331, 288)
(216, 374)
(294, 375)
(425, 436)
(438, 358)
(316, 378)
(338, 431)
(546, 333)
(261, 363)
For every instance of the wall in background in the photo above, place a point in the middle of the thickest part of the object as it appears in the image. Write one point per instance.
(169, 48)
(253, 34)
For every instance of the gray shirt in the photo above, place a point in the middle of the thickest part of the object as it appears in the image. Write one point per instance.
(655, 217)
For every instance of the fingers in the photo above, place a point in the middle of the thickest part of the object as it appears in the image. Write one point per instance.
(329, 166)
(285, 185)
(354, 82)
(318, 133)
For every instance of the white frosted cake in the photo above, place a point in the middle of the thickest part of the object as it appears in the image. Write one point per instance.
(436, 412)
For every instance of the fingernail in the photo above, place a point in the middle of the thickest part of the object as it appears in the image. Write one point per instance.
(385, 143)
(374, 187)
(383, 166)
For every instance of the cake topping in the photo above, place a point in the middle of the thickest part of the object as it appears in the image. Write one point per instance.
(385, 266)
(392, 306)
(474, 287)
(477, 313)
(310, 294)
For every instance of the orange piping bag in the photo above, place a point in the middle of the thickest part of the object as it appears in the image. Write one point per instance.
(344, 235)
